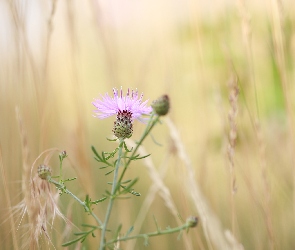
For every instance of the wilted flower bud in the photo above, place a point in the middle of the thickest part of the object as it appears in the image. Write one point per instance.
(192, 221)
(123, 125)
(44, 172)
(161, 105)
(63, 155)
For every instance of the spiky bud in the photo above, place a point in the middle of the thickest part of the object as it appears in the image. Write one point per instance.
(192, 221)
(123, 125)
(44, 172)
(161, 105)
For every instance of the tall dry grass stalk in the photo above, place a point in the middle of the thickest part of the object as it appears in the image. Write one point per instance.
(232, 138)
(216, 237)
(247, 41)
(25, 62)
(8, 204)
(278, 39)
(266, 203)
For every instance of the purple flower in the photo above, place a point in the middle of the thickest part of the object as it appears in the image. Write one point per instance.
(108, 106)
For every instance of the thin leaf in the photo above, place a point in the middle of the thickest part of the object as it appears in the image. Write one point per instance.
(129, 189)
(109, 172)
(126, 149)
(70, 179)
(88, 225)
(71, 242)
(129, 231)
(132, 183)
(156, 222)
(154, 140)
(142, 157)
(124, 182)
(108, 193)
(137, 157)
(111, 139)
(82, 233)
(100, 200)
(103, 167)
(118, 231)
(95, 152)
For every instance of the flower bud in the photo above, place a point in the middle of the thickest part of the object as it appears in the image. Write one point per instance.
(123, 125)
(192, 221)
(161, 105)
(44, 172)
(63, 155)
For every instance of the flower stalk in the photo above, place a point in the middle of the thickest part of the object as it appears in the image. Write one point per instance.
(63, 189)
(113, 195)
(181, 228)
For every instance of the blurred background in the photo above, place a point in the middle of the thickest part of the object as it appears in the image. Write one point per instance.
(228, 68)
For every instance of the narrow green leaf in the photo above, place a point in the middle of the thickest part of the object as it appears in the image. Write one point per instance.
(81, 233)
(71, 242)
(109, 172)
(118, 231)
(103, 156)
(100, 200)
(157, 143)
(88, 225)
(95, 152)
(70, 179)
(126, 149)
(97, 159)
(132, 183)
(108, 193)
(111, 139)
(124, 182)
(129, 231)
(156, 222)
(142, 157)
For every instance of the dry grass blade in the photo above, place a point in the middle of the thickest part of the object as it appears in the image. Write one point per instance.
(232, 137)
(7, 197)
(211, 224)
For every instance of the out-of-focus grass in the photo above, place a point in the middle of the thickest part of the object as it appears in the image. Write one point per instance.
(166, 48)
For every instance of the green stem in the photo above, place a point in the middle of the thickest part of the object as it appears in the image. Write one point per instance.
(147, 235)
(152, 122)
(110, 205)
(65, 190)
(60, 170)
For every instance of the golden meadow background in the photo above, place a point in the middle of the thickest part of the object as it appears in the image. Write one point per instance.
(56, 56)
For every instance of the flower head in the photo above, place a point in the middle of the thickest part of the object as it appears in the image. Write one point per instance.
(108, 106)
(192, 221)
(123, 125)
(44, 172)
